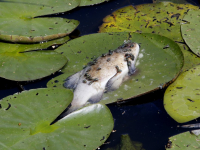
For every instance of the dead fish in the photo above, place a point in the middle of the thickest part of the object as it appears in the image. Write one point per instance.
(90, 83)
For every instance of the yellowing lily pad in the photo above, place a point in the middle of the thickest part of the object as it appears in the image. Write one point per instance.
(21, 24)
(181, 99)
(162, 18)
(25, 122)
(23, 62)
(190, 31)
(159, 61)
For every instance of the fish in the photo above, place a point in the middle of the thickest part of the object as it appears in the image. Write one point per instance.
(104, 74)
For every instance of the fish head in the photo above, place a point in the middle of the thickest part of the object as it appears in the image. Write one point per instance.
(131, 48)
(135, 48)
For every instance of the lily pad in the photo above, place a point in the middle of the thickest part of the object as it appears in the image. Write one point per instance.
(184, 141)
(23, 62)
(25, 122)
(20, 25)
(91, 2)
(190, 31)
(45, 7)
(58, 81)
(190, 59)
(162, 18)
(181, 99)
(52, 6)
(159, 62)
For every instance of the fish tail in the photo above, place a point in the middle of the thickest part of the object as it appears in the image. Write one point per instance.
(71, 81)
(70, 110)
(66, 112)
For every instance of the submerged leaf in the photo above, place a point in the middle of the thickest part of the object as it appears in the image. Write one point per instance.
(23, 62)
(25, 122)
(190, 31)
(20, 24)
(183, 141)
(162, 18)
(181, 99)
(127, 144)
(159, 61)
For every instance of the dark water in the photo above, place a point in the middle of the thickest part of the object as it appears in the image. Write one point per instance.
(143, 118)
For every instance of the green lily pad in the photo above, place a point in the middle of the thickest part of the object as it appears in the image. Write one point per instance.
(45, 7)
(58, 81)
(184, 141)
(190, 31)
(190, 59)
(91, 2)
(25, 122)
(20, 25)
(159, 61)
(181, 99)
(127, 144)
(51, 6)
(20, 62)
(56, 42)
(162, 18)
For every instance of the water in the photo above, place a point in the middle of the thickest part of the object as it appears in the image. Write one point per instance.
(143, 118)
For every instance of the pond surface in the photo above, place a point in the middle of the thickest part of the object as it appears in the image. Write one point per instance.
(143, 118)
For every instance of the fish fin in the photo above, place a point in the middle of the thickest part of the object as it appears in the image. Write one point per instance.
(114, 82)
(71, 81)
(96, 98)
(131, 68)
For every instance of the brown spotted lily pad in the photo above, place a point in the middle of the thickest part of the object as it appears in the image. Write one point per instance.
(190, 31)
(181, 99)
(162, 18)
(183, 141)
